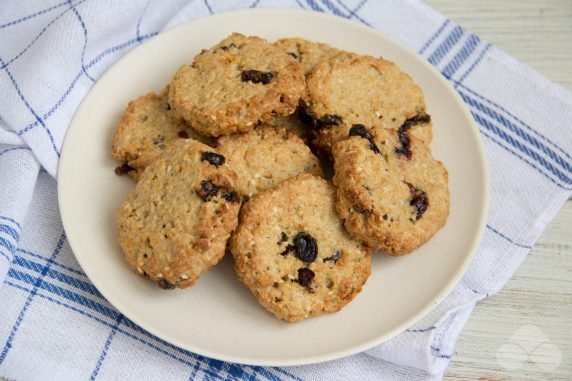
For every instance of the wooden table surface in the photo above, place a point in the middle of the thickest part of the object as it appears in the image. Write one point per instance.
(537, 301)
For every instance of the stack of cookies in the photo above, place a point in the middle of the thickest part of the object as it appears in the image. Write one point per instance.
(226, 158)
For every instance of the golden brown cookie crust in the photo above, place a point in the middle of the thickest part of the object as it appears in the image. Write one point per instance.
(308, 53)
(349, 89)
(266, 156)
(236, 84)
(175, 223)
(386, 199)
(268, 262)
(146, 128)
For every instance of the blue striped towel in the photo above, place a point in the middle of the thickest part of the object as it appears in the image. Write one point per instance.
(55, 325)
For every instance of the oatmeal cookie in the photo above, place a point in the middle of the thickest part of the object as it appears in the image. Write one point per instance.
(293, 253)
(349, 89)
(391, 192)
(146, 128)
(175, 224)
(236, 84)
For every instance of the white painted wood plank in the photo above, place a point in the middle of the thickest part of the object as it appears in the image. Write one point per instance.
(539, 296)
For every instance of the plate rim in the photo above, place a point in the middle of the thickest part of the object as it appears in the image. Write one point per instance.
(452, 283)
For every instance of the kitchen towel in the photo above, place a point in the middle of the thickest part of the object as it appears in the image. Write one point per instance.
(54, 325)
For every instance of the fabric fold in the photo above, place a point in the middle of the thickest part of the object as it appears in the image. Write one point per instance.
(19, 169)
(53, 318)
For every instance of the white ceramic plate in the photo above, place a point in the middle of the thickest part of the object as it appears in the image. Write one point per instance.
(218, 317)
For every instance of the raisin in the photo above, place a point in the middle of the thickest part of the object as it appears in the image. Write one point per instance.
(384, 217)
(293, 55)
(283, 238)
(287, 250)
(183, 134)
(418, 200)
(334, 258)
(308, 118)
(213, 158)
(305, 277)
(361, 131)
(362, 210)
(123, 169)
(306, 247)
(225, 48)
(411, 188)
(420, 118)
(245, 199)
(420, 203)
(166, 285)
(168, 107)
(306, 115)
(256, 76)
(230, 195)
(405, 150)
(207, 190)
(405, 145)
(329, 120)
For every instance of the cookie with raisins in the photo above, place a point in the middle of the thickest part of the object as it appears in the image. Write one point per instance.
(175, 224)
(236, 84)
(391, 193)
(348, 89)
(266, 156)
(146, 128)
(293, 253)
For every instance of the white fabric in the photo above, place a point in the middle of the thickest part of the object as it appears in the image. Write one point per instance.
(53, 322)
